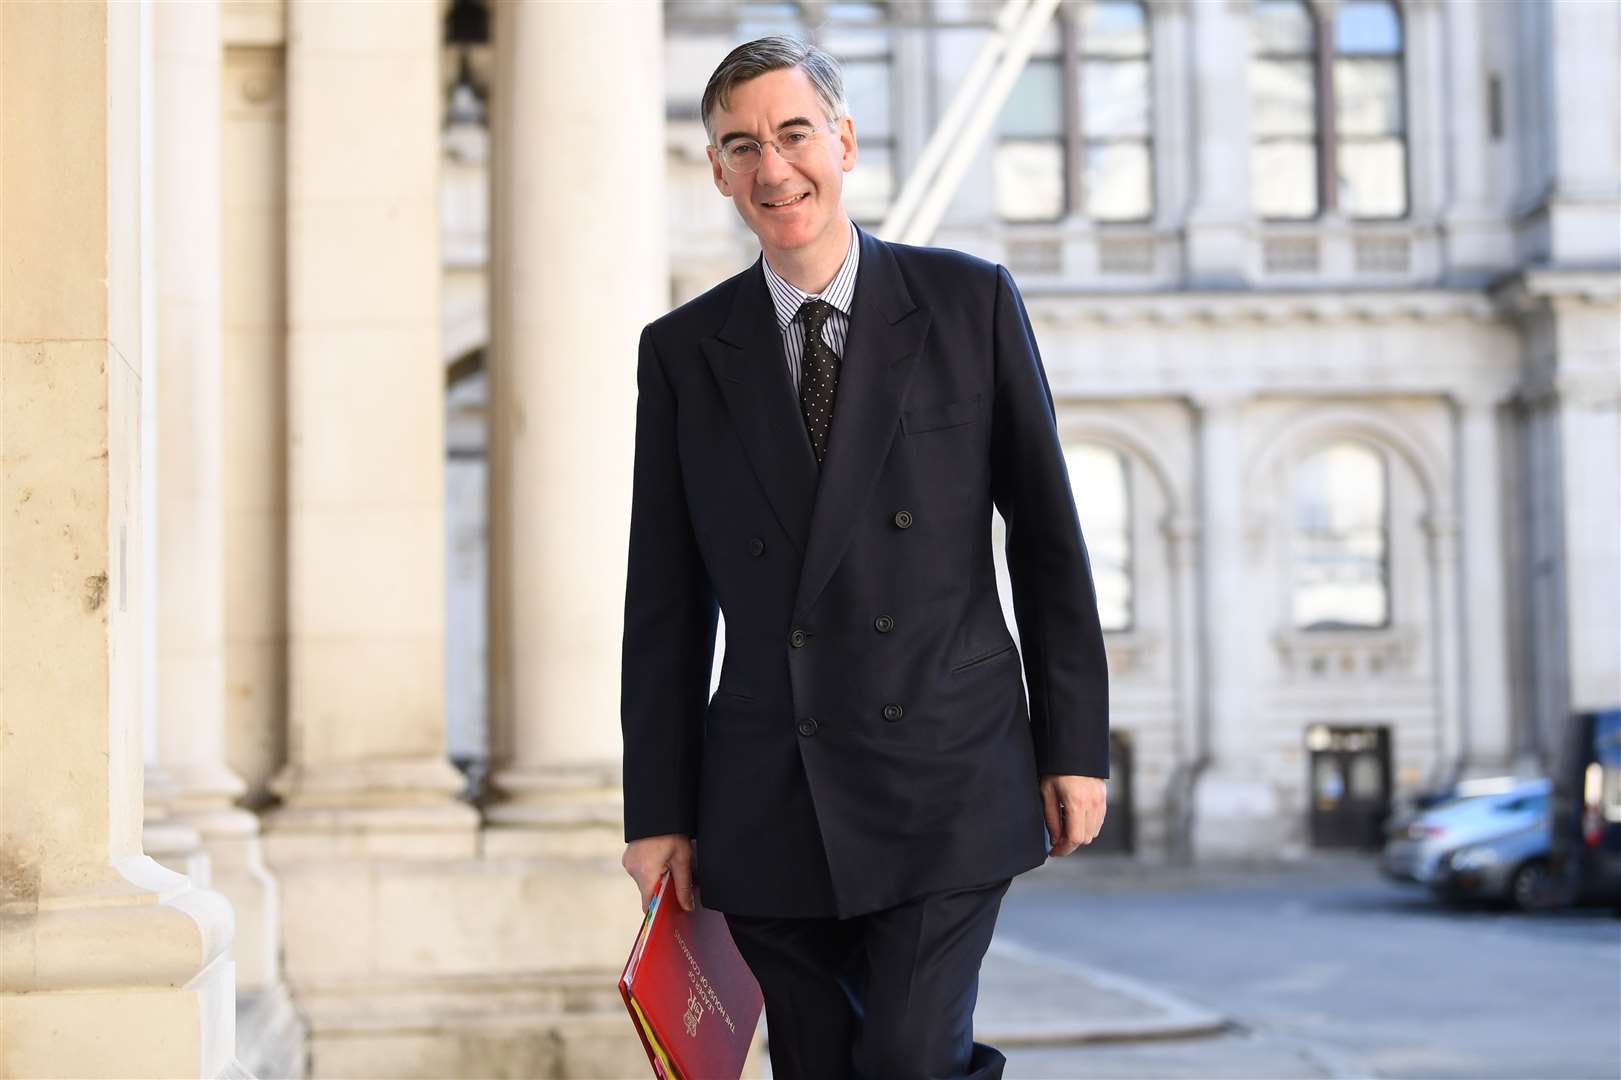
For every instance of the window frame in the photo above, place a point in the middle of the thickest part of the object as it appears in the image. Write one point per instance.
(1072, 139)
(1326, 138)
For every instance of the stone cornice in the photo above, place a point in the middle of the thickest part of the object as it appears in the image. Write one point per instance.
(1527, 290)
(1259, 306)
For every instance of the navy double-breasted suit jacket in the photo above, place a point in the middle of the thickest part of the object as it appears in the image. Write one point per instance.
(870, 739)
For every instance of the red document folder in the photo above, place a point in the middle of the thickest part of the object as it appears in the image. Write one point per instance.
(694, 1001)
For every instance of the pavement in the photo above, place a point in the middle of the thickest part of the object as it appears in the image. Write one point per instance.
(1058, 1019)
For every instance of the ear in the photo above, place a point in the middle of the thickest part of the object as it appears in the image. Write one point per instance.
(847, 142)
(718, 172)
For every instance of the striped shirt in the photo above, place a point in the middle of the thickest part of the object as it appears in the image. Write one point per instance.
(788, 299)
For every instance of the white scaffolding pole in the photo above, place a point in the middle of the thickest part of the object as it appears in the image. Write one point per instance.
(931, 186)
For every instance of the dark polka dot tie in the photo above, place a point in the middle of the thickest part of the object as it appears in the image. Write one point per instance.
(818, 375)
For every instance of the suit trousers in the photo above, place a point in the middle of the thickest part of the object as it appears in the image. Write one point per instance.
(888, 995)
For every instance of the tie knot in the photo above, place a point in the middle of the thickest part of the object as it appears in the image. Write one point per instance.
(814, 313)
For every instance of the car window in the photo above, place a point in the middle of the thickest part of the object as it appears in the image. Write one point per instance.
(1607, 738)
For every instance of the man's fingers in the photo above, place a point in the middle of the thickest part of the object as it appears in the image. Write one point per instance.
(681, 878)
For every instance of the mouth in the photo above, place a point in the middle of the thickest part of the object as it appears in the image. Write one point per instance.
(793, 200)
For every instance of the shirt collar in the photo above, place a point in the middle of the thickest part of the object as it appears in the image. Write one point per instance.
(839, 292)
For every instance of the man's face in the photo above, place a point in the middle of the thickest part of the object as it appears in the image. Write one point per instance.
(758, 109)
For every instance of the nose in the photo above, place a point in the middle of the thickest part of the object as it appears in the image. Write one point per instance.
(773, 166)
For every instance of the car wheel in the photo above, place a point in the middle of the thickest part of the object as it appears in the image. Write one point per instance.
(1533, 887)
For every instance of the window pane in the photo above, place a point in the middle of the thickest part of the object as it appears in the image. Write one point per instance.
(1114, 98)
(1366, 26)
(1098, 476)
(866, 91)
(1373, 177)
(1339, 539)
(869, 187)
(1367, 97)
(1283, 179)
(1030, 181)
(1114, 28)
(1281, 26)
(1119, 181)
(1283, 97)
(1035, 107)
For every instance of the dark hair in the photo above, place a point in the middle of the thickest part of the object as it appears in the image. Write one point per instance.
(773, 53)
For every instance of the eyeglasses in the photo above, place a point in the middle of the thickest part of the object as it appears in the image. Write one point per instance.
(743, 155)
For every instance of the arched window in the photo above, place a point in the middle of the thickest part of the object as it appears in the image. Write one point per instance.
(1341, 539)
(1099, 479)
(1079, 120)
(1327, 136)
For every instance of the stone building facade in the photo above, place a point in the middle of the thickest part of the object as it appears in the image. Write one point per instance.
(311, 603)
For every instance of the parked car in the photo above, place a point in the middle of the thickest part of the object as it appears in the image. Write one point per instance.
(1587, 809)
(1513, 865)
(1499, 834)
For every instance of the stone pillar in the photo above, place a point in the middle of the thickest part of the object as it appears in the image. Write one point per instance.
(1219, 220)
(1181, 531)
(1235, 811)
(1485, 699)
(1440, 527)
(1584, 83)
(255, 390)
(564, 382)
(110, 964)
(367, 770)
(200, 789)
(1470, 230)
(1587, 447)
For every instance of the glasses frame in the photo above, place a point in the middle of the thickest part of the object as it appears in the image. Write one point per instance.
(720, 151)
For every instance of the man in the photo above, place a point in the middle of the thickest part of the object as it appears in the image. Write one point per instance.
(820, 440)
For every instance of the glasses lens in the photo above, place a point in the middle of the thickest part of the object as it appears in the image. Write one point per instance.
(741, 155)
(793, 141)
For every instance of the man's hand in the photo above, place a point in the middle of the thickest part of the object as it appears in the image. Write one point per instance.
(645, 860)
(1074, 806)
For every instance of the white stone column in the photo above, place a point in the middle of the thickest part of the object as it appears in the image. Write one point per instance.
(1442, 550)
(580, 267)
(1183, 541)
(1485, 608)
(1468, 218)
(1588, 450)
(110, 964)
(255, 439)
(1585, 86)
(1235, 812)
(1219, 222)
(200, 789)
(367, 769)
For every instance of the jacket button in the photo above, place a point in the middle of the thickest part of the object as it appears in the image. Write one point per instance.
(797, 639)
(884, 624)
(892, 712)
(807, 726)
(756, 546)
(903, 519)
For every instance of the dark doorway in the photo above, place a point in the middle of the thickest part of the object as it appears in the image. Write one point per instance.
(1118, 835)
(1348, 782)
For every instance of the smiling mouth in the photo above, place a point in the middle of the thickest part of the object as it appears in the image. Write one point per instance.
(788, 202)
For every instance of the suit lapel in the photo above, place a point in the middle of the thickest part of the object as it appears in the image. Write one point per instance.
(880, 354)
(751, 370)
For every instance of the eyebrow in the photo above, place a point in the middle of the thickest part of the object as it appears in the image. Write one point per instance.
(797, 121)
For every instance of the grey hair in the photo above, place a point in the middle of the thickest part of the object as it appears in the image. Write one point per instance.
(773, 53)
